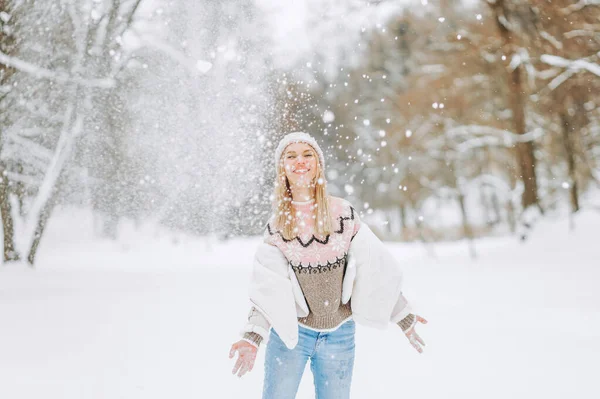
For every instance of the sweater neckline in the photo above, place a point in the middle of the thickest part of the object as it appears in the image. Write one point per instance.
(324, 241)
(310, 201)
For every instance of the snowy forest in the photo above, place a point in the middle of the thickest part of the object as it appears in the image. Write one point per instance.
(137, 142)
(441, 120)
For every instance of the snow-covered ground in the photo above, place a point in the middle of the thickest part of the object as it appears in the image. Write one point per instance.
(153, 316)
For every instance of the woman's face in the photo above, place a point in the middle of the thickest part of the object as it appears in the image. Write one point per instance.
(300, 164)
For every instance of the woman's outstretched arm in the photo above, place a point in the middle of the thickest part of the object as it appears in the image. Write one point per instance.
(257, 328)
(255, 331)
(407, 322)
(246, 356)
(408, 325)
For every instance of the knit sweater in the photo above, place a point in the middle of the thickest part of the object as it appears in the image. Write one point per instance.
(319, 263)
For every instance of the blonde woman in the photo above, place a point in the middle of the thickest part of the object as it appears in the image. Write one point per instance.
(318, 270)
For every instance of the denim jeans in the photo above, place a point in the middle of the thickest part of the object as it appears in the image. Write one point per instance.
(331, 357)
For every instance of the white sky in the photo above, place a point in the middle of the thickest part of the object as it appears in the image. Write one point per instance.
(324, 26)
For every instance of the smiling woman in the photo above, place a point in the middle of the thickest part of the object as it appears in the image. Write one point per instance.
(316, 256)
(300, 167)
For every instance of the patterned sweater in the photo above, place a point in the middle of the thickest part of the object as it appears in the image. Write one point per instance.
(319, 263)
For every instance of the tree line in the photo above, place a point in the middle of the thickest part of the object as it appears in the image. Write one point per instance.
(168, 112)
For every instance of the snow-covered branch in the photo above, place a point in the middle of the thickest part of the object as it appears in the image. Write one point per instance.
(552, 40)
(61, 77)
(132, 12)
(572, 66)
(21, 178)
(72, 128)
(32, 147)
(579, 6)
(13, 152)
(560, 79)
(485, 136)
(521, 57)
(579, 33)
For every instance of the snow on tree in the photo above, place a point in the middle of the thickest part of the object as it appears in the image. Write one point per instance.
(169, 112)
(450, 87)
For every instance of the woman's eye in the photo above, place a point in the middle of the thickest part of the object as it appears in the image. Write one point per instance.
(290, 156)
(308, 155)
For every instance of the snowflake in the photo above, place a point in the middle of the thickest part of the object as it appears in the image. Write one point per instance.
(314, 252)
(292, 251)
(337, 242)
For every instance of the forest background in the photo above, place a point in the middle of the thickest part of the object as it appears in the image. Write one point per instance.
(440, 120)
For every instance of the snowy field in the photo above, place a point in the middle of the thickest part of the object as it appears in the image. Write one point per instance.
(153, 316)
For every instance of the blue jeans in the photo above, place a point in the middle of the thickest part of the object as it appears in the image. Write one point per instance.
(331, 357)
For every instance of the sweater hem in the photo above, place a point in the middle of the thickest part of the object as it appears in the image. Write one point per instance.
(326, 329)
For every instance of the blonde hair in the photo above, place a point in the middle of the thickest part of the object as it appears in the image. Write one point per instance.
(283, 220)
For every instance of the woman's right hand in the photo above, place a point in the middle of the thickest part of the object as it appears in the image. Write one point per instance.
(246, 356)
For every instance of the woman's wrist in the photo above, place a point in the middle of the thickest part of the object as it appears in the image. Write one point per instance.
(253, 338)
(408, 322)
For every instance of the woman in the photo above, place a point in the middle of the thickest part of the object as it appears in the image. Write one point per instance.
(318, 270)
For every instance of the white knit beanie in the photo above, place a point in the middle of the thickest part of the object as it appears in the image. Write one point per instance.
(298, 137)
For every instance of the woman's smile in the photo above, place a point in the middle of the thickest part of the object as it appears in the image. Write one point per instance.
(300, 164)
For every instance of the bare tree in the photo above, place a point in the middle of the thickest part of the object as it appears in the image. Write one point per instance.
(512, 19)
(7, 46)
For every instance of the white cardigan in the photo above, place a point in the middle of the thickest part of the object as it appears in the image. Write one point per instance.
(373, 279)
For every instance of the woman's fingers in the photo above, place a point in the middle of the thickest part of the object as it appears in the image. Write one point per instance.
(415, 340)
(422, 320)
(243, 369)
(415, 345)
(238, 364)
(245, 360)
(247, 364)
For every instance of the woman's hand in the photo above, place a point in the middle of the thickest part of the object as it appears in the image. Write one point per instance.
(415, 340)
(246, 356)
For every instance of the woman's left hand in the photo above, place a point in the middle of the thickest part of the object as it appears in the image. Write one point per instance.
(415, 340)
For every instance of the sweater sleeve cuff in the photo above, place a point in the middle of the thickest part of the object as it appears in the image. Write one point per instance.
(407, 323)
(253, 338)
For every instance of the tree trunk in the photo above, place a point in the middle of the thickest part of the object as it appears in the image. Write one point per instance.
(21, 192)
(569, 151)
(525, 154)
(467, 230)
(510, 214)
(485, 206)
(403, 216)
(10, 254)
(39, 231)
(495, 208)
(7, 45)
(517, 99)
